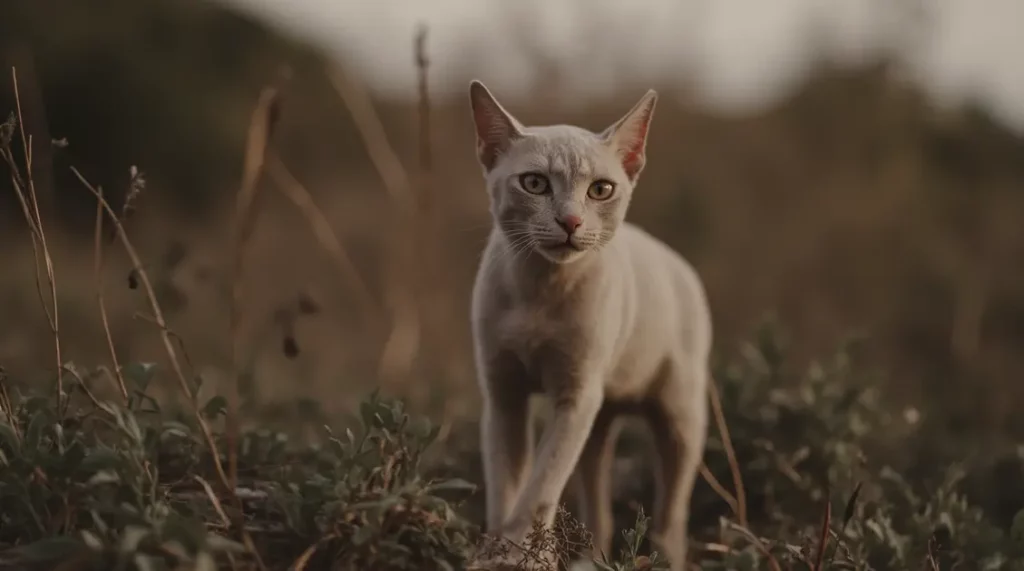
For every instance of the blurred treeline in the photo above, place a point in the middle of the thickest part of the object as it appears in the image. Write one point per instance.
(854, 205)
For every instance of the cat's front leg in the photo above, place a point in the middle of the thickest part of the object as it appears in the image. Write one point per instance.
(506, 438)
(559, 451)
(506, 444)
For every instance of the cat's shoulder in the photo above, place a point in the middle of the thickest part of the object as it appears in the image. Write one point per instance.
(639, 238)
(646, 249)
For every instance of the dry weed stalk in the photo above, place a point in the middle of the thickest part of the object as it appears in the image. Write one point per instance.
(423, 85)
(739, 501)
(290, 186)
(826, 526)
(30, 208)
(431, 257)
(757, 542)
(260, 125)
(403, 343)
(100, 298)
(166, 338)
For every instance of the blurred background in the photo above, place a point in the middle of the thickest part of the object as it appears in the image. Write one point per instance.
(852, 168)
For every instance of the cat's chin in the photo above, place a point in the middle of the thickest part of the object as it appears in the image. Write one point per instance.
(562, 253)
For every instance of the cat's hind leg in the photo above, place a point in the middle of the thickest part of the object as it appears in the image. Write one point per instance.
(678, 417)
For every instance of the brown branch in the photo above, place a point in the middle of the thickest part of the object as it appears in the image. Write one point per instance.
(325, 236)
(730, 453)
(100, 298)
(260, 124)
(718, 488)
(371, 130)
(758, 544)
(402, 344)
(30, 207)
(179, 374)
(826, 525)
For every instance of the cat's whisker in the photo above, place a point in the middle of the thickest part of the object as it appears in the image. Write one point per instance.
(521, 246)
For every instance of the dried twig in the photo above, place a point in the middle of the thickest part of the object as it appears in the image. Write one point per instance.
(371, 130)
(730, 454)
(402, 344)
(30, 207)
(100, 298)
(756, 542)
(303, 559)
(328, 240)
(718, 488)
(179, 374)
(244, 222)
(826, 526)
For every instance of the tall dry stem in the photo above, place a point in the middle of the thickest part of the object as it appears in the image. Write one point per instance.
(260, 126)
(740, 500)
(403, 343)
(101, 298)
(179, 374)
(25, 188)
(290, 186)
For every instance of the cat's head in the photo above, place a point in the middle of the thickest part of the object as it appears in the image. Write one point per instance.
(558, 190)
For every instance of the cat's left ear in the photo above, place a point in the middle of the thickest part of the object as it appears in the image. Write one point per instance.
(496, 129)
(628, 135)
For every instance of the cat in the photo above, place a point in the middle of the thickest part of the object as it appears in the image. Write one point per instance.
(573, 302)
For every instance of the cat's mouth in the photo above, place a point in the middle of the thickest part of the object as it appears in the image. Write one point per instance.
(568, 246)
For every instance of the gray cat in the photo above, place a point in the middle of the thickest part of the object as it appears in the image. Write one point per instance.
(572, 302)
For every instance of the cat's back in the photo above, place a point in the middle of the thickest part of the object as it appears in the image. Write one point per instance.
(667, 285)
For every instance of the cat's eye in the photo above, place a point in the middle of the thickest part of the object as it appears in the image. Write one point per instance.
(601, 190)
(534, 183)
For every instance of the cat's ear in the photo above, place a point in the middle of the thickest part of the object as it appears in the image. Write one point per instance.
(628, 135)
(496, 129)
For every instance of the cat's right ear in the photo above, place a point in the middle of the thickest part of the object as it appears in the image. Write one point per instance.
(496, 129)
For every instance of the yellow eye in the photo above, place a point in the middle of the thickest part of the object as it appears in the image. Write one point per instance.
(601, 190)
(534, 183)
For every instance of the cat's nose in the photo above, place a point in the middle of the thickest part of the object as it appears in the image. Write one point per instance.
(569, 223)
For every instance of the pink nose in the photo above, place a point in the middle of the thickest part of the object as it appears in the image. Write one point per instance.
(569, 222)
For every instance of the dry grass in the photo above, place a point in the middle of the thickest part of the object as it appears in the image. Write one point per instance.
(258, 157)
(814, 246)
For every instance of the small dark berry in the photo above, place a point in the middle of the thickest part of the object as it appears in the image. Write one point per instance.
(291, 348)
(307, 305)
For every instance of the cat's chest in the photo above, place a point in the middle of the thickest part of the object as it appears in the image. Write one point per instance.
(534, 333)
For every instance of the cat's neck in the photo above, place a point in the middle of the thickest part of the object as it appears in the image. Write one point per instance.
(530, 271)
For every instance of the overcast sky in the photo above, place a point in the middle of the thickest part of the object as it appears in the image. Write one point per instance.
(740, 54)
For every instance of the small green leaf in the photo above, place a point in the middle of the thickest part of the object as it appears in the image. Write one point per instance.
(221, 544)
(53, 549)
(1017, 529)
(205, 562)
(131, 537)
(454, 484)
(91, 540)
(104, 477)
(367, 412)
(145, 562)
(215, 406)
(362, 535)
(8, 437)
(34, 432)
(101, 459)
(139, 374)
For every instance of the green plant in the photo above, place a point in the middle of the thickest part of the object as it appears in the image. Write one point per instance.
(126, 487)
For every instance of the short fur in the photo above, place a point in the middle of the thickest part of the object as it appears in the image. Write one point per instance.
(604, 320)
